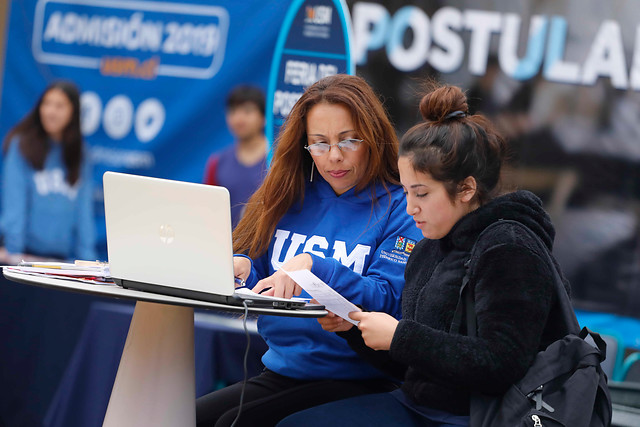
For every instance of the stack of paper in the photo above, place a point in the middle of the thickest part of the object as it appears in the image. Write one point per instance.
(83, 271)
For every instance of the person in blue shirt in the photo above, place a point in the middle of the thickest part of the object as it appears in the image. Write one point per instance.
(47, 209)
(330, 203)
(241, 167)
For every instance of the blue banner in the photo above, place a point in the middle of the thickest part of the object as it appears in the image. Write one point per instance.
(153, 75)
(314, 42)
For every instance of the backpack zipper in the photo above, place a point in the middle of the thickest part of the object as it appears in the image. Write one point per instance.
(536, 421)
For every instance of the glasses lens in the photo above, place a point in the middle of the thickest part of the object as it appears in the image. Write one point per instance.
(349, 144)
(319, 148)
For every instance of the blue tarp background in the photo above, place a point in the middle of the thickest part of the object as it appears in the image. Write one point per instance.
(193, 125)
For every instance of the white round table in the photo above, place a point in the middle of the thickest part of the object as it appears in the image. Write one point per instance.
(155, 383)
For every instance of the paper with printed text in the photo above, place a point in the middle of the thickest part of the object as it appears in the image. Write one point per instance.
(324, 294)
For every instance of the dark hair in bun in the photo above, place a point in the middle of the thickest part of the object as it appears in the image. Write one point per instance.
(441, 103)
(451, 145)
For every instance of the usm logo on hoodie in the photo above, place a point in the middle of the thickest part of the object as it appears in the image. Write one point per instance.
(318, 245)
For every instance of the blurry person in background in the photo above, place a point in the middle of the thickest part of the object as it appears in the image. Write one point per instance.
(241, 167)
(47, 209)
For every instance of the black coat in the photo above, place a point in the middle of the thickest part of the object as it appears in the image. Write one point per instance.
(514, 293)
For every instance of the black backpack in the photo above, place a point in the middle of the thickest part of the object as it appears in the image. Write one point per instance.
(564, 386)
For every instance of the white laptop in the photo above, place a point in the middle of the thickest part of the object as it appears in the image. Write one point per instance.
(174, 238)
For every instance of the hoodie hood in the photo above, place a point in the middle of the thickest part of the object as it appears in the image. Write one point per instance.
(325, 191)
(522, 206)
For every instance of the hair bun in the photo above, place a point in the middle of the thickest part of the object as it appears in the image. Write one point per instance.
(444, 103)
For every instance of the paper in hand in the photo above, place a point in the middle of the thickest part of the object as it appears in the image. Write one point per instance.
(324, 294)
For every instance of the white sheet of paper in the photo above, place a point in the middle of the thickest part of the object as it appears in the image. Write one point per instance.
(324, 294)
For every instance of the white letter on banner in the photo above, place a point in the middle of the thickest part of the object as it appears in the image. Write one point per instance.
(53, 27)
(131, 32)
(300, 73)
(80, 31)
(355, 258)
(68, 28)
(527, 67)
(370, 22)
(292, 71)
(413, 57)
(606, 57)
(325, 70)
(449, 59)
(211, 40)
(319, 241)
(311, 76)
(635, 65)
(106, 36)
(482, 24)
(283, 102)
(150, 36)
(112, 32)
(90, 32)
(555, 68)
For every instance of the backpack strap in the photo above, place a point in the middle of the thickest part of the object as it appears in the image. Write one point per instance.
(466, 304)
(466, 300)
(597, 339)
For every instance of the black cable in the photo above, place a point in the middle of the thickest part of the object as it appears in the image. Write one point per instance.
(246, 355)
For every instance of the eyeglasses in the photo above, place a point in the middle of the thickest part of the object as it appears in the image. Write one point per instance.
(321, 148)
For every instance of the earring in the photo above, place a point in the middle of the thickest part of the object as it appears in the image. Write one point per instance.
(312, 167)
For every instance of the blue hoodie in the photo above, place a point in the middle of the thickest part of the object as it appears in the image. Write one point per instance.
(41, 213)
(358, 249)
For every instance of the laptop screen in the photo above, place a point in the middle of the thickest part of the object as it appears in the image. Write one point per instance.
(169, 233)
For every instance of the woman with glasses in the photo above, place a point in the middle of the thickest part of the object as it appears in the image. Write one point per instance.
(331, 203)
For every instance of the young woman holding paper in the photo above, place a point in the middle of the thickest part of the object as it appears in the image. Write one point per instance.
(47, 206)
(332, 204)
(450, 167)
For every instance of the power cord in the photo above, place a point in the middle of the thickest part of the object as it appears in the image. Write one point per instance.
(246, 356)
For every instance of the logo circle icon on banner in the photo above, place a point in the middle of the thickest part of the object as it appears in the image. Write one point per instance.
(90, 111)
(118, 117)
(149, 119)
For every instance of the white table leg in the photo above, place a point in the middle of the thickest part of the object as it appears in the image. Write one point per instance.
(155, 384)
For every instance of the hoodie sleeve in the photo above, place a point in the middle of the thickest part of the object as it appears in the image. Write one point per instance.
(15, 194)
(259, 269)
(85, 226)
(379, 288)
